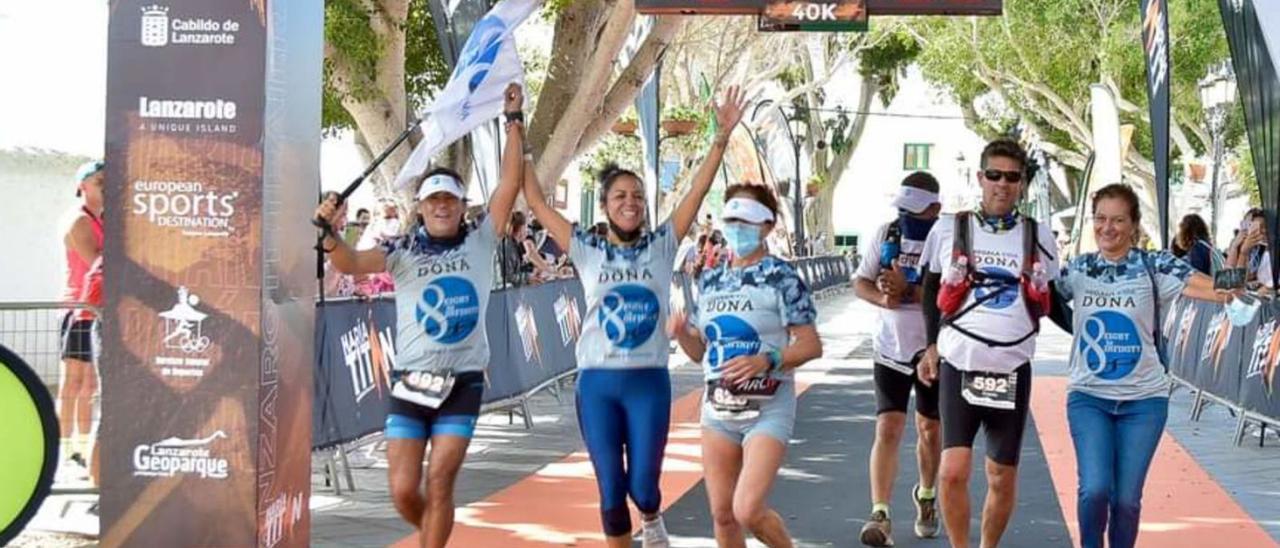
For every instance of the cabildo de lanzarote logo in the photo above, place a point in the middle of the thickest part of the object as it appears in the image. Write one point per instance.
(159, 30)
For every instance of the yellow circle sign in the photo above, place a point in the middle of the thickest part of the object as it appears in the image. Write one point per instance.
(29, 433)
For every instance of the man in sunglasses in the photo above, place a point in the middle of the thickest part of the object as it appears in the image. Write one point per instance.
(985, 288)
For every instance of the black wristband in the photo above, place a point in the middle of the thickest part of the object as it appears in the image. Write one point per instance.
(517, 116)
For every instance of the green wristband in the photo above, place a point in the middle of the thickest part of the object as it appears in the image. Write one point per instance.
(775, 360)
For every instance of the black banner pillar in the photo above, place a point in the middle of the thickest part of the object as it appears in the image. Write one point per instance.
(212, 151)
(1155, 43)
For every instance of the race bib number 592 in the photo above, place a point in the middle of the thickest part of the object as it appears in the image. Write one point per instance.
(993, 390)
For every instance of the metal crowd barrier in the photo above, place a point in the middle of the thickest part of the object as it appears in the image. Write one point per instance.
(33, 330)
(1235, 367)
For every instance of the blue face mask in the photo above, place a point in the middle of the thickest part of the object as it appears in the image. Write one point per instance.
(1240, 312)
(742, 238)
(914, 228)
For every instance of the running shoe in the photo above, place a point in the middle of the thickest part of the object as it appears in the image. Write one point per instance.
(878, 531)
(655, 534)
(926, 514)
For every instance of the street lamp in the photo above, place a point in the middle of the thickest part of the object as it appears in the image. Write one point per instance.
(1217, 95)
(798, 117)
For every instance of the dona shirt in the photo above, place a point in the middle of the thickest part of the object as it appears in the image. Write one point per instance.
(627, 289)
(442, 294)
(746, 311)
(1001, 317)
(1113, 353)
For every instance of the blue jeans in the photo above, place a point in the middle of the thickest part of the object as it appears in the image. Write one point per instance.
(1114, 443)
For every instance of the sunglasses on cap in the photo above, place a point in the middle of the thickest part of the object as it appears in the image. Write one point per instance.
(994, 175)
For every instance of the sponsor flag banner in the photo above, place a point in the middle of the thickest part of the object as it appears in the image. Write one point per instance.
(1155, 43)
(212, 136)
(1253, 33)
(487, 63)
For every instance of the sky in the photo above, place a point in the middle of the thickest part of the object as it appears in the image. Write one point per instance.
(56, 97)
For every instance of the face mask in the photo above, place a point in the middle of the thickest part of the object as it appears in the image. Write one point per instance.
(742, 238)
(623, 235)
(914, 228)
(1240, 312)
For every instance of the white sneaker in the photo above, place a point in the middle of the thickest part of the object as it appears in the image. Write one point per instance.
(655, 534)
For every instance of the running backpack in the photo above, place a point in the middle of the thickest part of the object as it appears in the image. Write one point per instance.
(951, 297)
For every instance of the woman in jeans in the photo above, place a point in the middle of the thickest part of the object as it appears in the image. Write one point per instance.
(1118, 389)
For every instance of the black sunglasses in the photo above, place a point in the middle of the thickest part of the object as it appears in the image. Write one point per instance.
(994, 175)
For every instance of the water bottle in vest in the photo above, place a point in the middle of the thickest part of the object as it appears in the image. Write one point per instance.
(888, 252)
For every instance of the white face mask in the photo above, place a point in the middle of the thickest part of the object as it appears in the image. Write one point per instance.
(1240, 312)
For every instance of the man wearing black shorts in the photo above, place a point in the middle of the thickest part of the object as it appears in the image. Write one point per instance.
(981, 321)
(889, 279)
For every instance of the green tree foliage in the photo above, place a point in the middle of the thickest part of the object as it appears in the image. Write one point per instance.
(348, 30)
(1034, 65)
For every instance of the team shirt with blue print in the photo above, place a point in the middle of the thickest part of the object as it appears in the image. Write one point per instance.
(1002, 317)
(745, 311)
(1113, 354)
(442, 294)
(627, 288)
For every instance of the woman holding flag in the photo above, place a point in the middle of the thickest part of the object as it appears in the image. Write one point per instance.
(443, 276)
(624, 388)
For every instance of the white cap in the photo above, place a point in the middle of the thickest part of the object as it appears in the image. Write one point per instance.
(914, 200)
(746, 209)
(441, 182)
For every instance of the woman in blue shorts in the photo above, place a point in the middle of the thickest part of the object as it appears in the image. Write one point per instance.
(624, 389)
(443, 271)
(753, 326)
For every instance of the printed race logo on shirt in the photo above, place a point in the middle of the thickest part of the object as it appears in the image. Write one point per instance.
(449, 309)
(628, 315)
(729, 337)
(1110, 345)
(1008, 294)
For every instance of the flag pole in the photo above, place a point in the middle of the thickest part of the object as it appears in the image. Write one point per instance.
(322, 224)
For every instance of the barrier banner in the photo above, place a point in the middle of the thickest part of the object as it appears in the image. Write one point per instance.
(355, 353)
(212, 155)
(1185, 355)
(537, 344)
(1170, 331)
(1219, 350)
(1258, 384)
(532, 332)
(1235, 363)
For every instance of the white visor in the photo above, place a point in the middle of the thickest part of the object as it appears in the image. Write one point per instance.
(914, 200)
(746, 209)
(441, 182)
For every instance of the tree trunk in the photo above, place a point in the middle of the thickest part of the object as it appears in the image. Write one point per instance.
(380, 112)
(824, 204)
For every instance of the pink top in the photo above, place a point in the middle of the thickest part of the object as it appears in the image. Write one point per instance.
(77, 268)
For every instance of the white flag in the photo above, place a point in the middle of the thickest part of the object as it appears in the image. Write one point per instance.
(487, 63)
